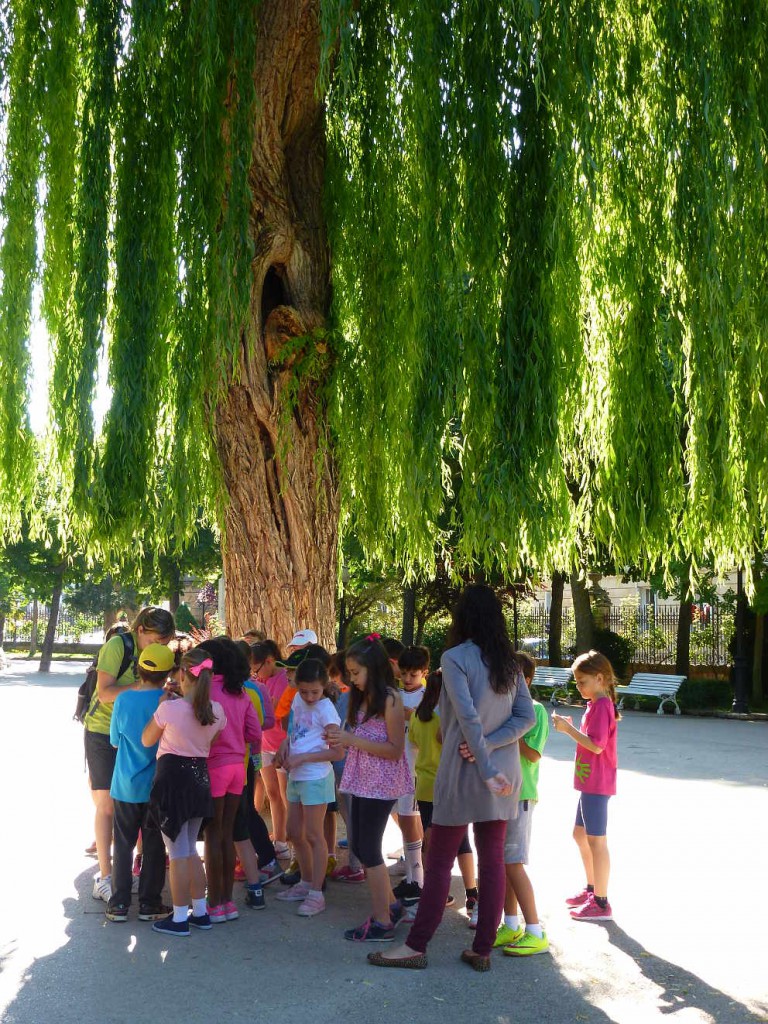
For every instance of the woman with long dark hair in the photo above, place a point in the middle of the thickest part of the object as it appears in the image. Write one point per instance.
(485, 707)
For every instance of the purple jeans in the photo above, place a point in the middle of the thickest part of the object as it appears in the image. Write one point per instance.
(444, 842)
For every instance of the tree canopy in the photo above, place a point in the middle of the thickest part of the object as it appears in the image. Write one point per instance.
(548, 234)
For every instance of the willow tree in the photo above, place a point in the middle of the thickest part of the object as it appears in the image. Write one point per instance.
(332, 248)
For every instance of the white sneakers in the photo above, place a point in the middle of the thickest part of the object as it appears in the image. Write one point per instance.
(102, 888)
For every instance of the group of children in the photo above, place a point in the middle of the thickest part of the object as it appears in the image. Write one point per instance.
(206, 735)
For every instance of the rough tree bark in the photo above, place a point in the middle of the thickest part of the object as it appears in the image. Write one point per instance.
(582, 614)
(555, 647)
(282, 521)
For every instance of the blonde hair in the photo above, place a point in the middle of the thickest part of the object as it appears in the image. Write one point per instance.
(593, 663)
(201, 700)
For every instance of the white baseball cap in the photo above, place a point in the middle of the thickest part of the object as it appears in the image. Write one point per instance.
(303, 637)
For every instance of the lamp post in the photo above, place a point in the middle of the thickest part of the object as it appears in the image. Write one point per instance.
(740, 680)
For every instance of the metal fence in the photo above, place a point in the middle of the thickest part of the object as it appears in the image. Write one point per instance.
(652, 632)
(72, 628)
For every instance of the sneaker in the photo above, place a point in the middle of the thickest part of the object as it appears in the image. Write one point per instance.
(578, 899)
(400, 914)
(270, 873)
(292, 875)
(216, 915)
(505, 936)
(282, 850)
(254, 897)
(470, 905)
(592, 911)
(450, 899)
(230, 911)
(472, 922)
(153, 911)
(116, 911)
(396, 855)
(527, 945)
(371, 931)
(136, 870)
(332, 864)
(312, 905)
(296, 894)
(349, 875)
(407, 891)
(170, 927)
(202, 921)
(343, 844)
(239, 875)
(102, 888)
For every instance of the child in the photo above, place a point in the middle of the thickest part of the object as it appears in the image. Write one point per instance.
(352, 872)
(594, 778)
(226, 767)
(514, 940)
(181, 792)
(424, 733)
(413, 663)
(376, 773)
(131, 785)
(265, 658)
(306, 756)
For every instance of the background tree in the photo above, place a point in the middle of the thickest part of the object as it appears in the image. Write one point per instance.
(535, 217)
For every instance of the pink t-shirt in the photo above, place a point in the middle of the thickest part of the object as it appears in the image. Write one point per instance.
(182, 733)
(276, 684)
(242, 726)
(596, 773)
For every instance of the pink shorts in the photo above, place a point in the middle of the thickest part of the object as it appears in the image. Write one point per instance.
(227, 778)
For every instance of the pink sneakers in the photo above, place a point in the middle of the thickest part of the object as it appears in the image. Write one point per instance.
(217, 914)
(313, 904)
(230, 911)
(349, 875)
(296, 894)
(579, 898)
(592, 911)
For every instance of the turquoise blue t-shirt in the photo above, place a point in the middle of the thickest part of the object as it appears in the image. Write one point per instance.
(135, 765)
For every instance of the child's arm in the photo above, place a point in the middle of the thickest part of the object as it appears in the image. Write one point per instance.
(392, 750)
(528, 752)
(563, 723)
(152, 733)
(293, 761)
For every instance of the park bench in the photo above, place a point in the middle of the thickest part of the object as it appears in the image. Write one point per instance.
(554, 679)
(652, 684)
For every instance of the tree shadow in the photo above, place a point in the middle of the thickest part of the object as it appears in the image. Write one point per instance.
(682, 990)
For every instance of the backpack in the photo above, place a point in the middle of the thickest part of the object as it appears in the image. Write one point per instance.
(88, 686)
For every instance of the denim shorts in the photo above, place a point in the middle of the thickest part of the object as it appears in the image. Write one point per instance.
(310, 792)
(592, 813)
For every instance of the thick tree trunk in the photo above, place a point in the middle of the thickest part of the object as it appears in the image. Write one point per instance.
(582, 614)
(46, 655)
(555, 646)
(409, 616)
(2, 628)
(684, 623)
(34, 630)
(282, 520)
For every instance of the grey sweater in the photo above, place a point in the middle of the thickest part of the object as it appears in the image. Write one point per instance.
(491, 723)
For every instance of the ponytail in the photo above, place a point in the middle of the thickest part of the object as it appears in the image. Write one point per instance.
(593, 663)
(201, 699)
(426, 709)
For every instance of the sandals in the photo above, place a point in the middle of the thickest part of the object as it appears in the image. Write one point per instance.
(476, 961)
(417, 962)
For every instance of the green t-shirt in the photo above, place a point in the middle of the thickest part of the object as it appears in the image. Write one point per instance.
(536, 737)
(110, 658)
(423, 736)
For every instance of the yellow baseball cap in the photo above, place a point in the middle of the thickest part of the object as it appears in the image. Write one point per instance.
(156, 658)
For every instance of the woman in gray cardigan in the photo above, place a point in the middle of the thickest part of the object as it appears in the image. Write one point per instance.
(485, 707)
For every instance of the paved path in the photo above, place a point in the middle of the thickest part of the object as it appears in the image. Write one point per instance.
(689, 839)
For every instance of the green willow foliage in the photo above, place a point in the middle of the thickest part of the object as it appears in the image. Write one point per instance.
(129, 128)
(549, 227)
(549, 243)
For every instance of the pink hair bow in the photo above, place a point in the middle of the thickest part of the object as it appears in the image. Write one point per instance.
(197, 669)
(373, 636)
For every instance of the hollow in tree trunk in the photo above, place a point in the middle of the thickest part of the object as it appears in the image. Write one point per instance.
(46, 655)
(281, 526)
(555, 647)
(582, 614)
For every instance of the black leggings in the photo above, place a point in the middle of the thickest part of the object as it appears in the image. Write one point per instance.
(369, 819)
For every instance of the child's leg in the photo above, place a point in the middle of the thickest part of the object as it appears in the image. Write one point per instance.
(317, 848)
(511, 906)
(259, 793)
(345, 809)
(329, 832)
(580, 836)
(413, 835)
(213, 854)
(282, 791)
(522, 894)
(467, 869)
(601, 861)
(277, 804)
(152, 876)
(231, 804)
(102, 827)
(594, 809)
(248, 860)
(295, 833)
(369, 820)
(127, 820)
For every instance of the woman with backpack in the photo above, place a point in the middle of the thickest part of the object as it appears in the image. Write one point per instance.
(116, 669)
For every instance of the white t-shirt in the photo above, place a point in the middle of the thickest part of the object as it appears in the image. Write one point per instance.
(306, 736)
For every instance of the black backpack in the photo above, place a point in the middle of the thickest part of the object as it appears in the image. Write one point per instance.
(88, 685)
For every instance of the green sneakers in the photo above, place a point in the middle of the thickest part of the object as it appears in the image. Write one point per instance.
(527, 945)
(505, 935)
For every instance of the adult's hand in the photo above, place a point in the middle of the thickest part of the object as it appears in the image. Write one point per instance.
(466, 753)
(499, 785)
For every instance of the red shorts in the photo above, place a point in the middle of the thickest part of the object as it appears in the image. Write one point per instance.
(227, 778)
